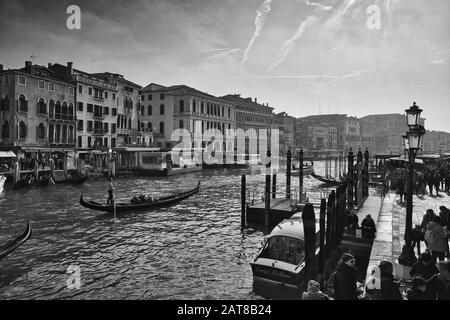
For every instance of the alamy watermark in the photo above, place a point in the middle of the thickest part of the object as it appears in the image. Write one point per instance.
(73, 22)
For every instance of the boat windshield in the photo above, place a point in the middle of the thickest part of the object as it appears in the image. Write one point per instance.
(284, 249)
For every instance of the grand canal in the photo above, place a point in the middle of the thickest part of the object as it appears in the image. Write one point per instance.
(193, 250)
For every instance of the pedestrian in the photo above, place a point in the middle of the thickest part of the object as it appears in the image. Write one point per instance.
(313, 292)
(417, 292)
(436, 182)
(345, 278)
(401, 188)
(352, 222)
(428, 217)
(390, 289)
(436, 238)
(110, 191)
(441, 281)
(368, 227)
(417, 237)
(425, 268)
(444, 213)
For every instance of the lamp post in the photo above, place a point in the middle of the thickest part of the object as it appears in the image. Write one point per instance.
(412, 143)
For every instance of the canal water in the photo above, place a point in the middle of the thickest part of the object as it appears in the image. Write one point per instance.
(193, 250)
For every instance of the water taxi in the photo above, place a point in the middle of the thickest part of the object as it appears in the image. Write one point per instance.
(280, 263)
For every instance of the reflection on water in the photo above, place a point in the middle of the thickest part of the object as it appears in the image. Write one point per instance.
(193, 250)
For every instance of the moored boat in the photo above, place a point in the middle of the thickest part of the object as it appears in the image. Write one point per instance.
(308, 169)
(74, 180)
(148, 204)
(16, 242)
(327, 181)
(280, 263)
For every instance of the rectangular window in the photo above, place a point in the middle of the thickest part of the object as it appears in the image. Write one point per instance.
(79, 141)
(51, 86)
(89, 126)
(113, 127)
(80, 125)
(143, 98)
(80, 106)
(90, 91)
(71, 91)
(22, 80)
(161, 96)
(113, 142)
(89, 142)
(149, 111)
(114, 112)
(90, 108)
(106, 94)
(150, 97)
(41, 84)
(114, 96)
(105, 126)
(106, 111)
(80, 88)
(6, 80)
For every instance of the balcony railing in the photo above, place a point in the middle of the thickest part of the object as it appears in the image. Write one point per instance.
(99, 132)
(99, 116)
(98, 98)
(61, 116)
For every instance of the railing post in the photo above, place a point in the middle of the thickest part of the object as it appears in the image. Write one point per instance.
(243, 201)
(366, 172)
(338, 215)
(288, 174)
(274, 185)
(357, 175)
(322, 253)
(309, 227)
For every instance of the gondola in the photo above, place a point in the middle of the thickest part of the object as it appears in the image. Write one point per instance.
(122, 206)
(326, 181)
(307, 169)
(76, 180)
(16, 242)
(2, 182)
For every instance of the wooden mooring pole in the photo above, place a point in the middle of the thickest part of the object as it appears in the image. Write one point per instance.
(267, 191)
(288, 174)
(350, 179)
(243, 202)
(300, 175)
(309, 227)
(337, 209)
(322, 253)
(274, 185)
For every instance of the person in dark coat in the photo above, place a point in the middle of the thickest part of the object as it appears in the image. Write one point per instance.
(441, 281)
(401, 188)
(390, 289)
(425, 268)
(368, 227)
(417, 292)
(352, 223)
(345, 285)
(427, 218)
(444, 213)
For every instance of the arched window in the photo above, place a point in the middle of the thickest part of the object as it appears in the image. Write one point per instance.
(71, 137)
(58, 133)
(161, 109)
(149, 126)
(40, 132)
(70, 111)
(181, 105)
(161, 127)
(149, 110)
(5, 130)
(41, 107)
(64, 134)
(51, 108)
(51, 133)
(23, 103)
(4, 104)
(64, 111)
(139, 125)
(181, 124)
(22, 130)
(58, 110)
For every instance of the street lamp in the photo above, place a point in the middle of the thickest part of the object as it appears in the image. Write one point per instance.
(412, 143)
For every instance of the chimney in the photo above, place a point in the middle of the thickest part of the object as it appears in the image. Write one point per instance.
(1, 67)
(256, 100)
(28, 64)
(49, 65)
(69, 71)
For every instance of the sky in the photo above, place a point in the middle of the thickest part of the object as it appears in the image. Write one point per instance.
(299, 56)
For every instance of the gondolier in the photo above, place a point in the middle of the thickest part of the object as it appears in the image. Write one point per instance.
(110, 192)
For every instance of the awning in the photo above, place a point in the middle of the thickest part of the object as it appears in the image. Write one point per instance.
(7, 154)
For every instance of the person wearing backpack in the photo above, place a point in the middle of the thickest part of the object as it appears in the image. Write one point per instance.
(345, 278)
(390, 288)
(436, 239)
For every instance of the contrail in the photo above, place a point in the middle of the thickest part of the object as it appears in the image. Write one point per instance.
(315, 4)
(223, 53)
(288, 45)
(260, 19)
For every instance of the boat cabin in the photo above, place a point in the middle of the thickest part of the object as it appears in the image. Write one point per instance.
(280, 263)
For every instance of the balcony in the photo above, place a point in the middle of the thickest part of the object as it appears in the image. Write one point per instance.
(99, 116)
(99, 132)
(124, 131)
(97, 98)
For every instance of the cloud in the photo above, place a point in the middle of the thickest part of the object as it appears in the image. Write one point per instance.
(340, 12)
(288, 45)
(260, 20)
(315, 4)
